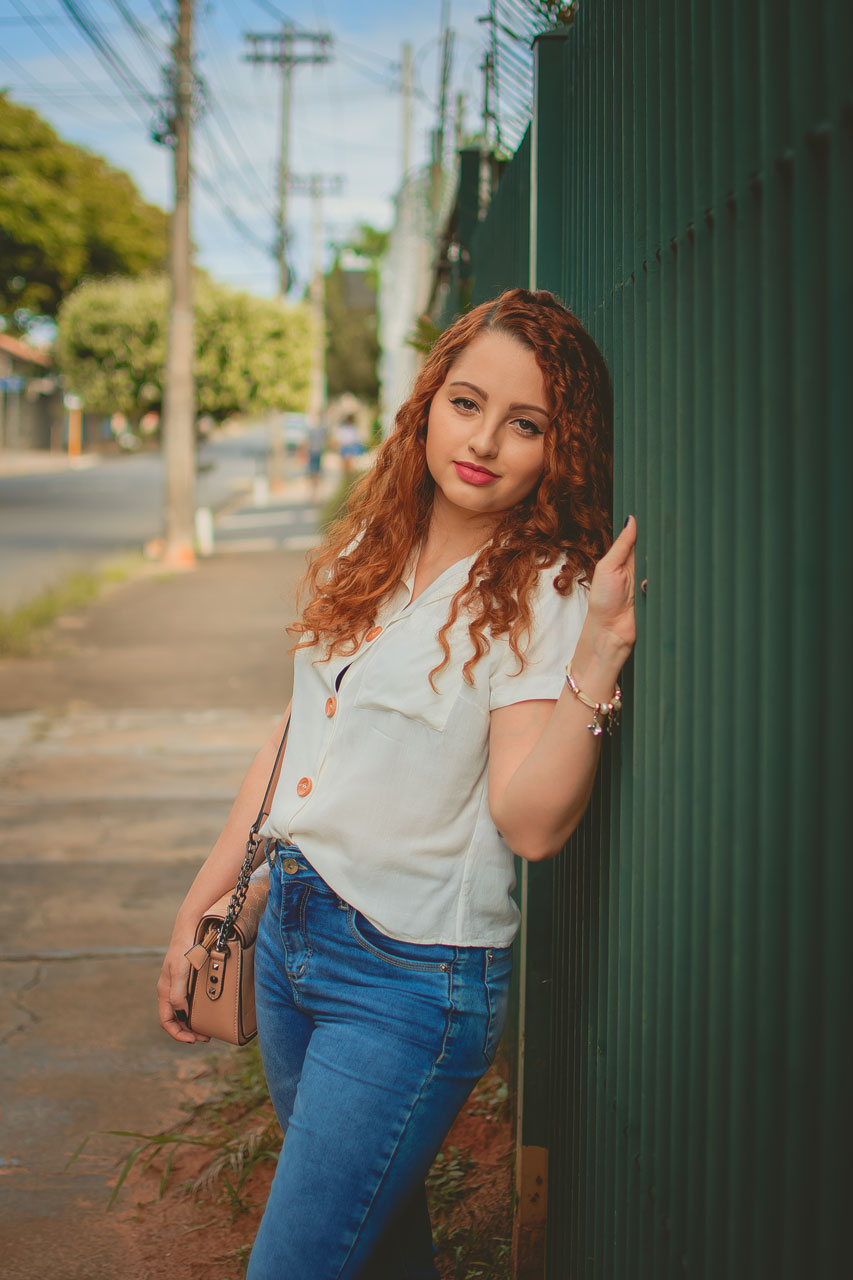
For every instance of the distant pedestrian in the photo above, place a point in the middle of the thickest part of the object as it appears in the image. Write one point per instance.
(349, 443)
(317, 440)
(465, 628)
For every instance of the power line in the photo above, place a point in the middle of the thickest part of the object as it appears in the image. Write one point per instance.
(378, 76)
(165, 17)
(115, 66)
(42, 17)
(388, 65)
(231, 214)
(147, 43)
(52, 95)
(228, 133)
(34, 22)
(275, 12)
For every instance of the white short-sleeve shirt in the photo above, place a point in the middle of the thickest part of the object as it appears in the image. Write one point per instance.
(384, 783)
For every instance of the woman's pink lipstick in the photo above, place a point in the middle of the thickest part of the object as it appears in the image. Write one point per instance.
(474, 475)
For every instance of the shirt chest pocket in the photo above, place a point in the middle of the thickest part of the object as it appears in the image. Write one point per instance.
(395, 682)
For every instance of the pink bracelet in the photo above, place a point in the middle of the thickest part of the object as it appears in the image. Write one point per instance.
(606, 711)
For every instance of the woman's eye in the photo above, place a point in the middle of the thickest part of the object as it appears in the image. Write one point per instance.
(527, 427)
(462, 402)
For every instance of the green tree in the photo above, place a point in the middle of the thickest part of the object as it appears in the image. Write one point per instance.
(352, 342)
(252, 354)
(65, 214)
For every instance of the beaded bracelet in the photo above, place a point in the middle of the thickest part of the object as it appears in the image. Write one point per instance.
(608, 711)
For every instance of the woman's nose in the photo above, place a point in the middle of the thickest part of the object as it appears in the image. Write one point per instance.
(484, 441)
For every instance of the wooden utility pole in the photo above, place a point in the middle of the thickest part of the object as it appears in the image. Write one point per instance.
(317, 185)
(406, 158)
(179, 399)
(282, 49)
(437, 167)
(460, 121)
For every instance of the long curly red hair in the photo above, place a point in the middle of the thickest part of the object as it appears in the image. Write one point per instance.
(565, 518)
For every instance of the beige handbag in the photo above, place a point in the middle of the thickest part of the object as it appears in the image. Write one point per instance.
(221, 983)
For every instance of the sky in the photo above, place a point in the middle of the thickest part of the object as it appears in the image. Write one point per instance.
(346, 116)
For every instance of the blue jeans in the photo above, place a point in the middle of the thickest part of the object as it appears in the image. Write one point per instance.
(370, 1048)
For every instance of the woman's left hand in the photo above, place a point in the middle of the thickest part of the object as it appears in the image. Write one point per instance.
(611, 596)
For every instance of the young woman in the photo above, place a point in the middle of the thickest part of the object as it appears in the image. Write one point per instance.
(434, 734)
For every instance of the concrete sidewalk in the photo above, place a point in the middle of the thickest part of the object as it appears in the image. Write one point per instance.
(121, 748)
(33, 462)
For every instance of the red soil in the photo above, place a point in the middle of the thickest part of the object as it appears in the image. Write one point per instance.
(177, 1235)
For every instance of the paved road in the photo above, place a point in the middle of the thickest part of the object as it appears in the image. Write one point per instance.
(51, 524)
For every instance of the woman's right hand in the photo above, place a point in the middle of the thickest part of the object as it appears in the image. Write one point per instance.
(172, 991)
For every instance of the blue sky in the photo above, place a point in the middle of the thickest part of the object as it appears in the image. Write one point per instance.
(346, 116)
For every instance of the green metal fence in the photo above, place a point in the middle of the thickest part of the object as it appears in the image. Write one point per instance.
(687, 1030)
(500, 244)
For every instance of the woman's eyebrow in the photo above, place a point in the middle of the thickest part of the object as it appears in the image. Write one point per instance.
(473, 387)
(529, 408)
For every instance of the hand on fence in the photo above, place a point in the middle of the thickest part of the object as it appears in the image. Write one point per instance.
(611, 597)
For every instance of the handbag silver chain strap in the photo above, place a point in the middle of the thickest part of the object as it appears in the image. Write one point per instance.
(238, 897)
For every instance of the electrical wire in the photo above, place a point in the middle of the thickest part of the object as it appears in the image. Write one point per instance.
(116, 67)
(251, 237)
(277, 13)
(164, 16)
(377, 76)
(216, 116)
(58, 96)
(149, 46)
(245, 163)
(35, 23)
(42, 17)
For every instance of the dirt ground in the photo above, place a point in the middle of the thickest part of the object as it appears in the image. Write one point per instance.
(197, 1236)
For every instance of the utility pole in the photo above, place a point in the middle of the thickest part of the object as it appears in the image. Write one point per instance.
(406, 62)
(488, 145)
(283, 50)
(179, 398)
(460, 121)
(437, 168)
(317, 185)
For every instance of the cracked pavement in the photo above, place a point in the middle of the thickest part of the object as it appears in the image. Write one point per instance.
(122, 744)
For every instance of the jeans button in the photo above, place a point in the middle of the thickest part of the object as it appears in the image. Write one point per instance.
(290, 866)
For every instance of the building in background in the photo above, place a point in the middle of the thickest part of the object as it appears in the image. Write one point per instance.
(31, 410)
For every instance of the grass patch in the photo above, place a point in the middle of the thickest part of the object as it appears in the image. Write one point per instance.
(228, 1144)
(20, 628)
(232, 1133)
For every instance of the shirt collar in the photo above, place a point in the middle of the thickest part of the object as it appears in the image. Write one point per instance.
(445, 585)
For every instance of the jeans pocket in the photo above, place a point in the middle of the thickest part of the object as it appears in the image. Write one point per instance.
(497, 974)
(421, 957)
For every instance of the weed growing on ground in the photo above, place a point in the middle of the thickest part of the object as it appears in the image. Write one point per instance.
(234, 1132)
(446, 1180)
(20, 627)
(491, 1098)
(238, 1128)
(474, 1258)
